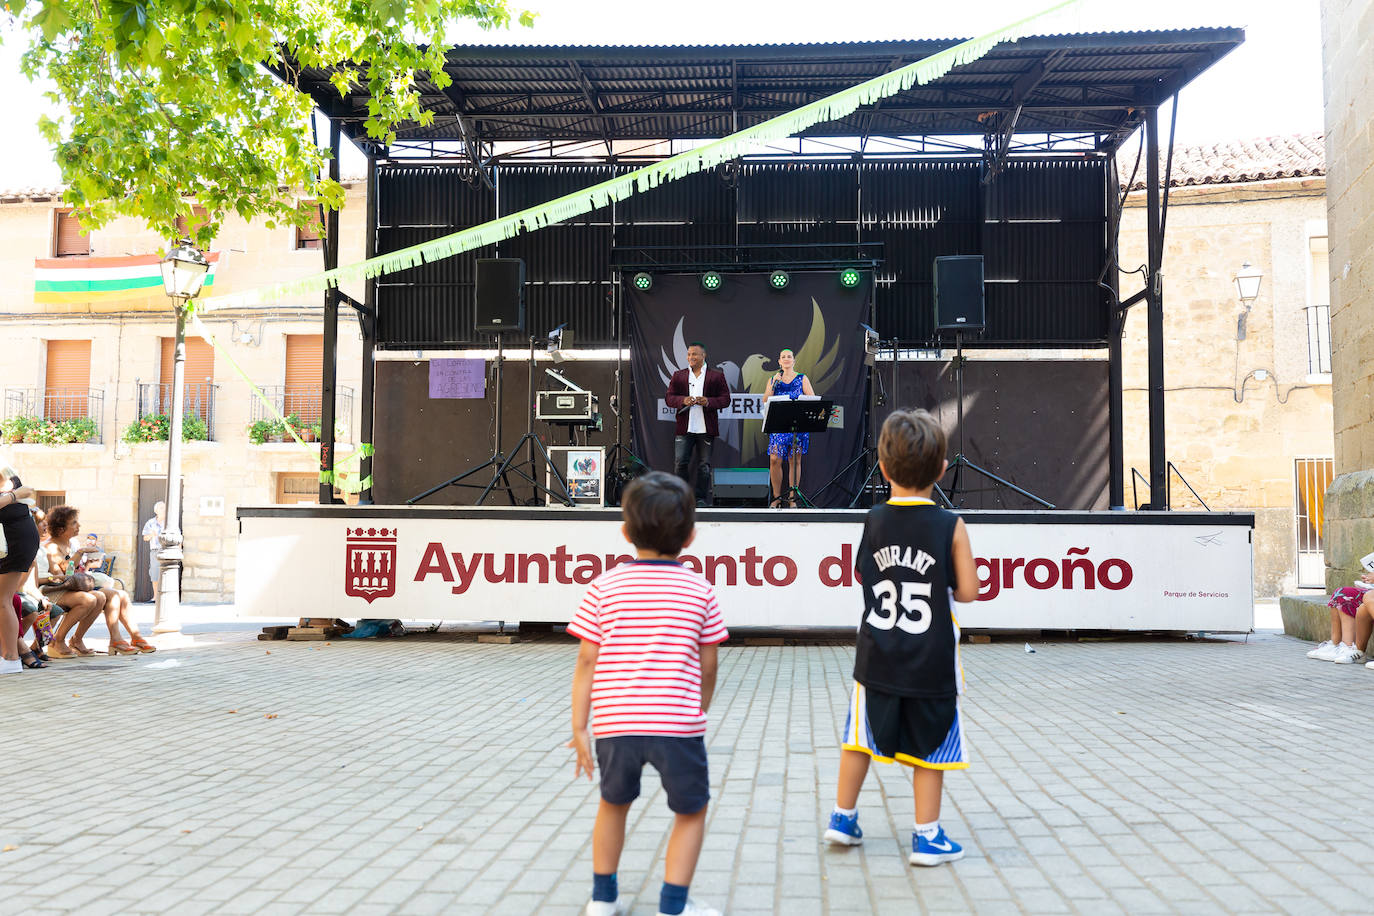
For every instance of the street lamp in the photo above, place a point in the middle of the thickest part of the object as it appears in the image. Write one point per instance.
(1248, 283)
(183, 273)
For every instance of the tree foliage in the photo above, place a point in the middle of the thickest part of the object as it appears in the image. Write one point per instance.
(158, 100)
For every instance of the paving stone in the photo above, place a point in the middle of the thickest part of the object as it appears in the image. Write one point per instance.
(420, 783)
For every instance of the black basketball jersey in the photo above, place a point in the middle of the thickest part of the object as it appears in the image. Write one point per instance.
(908, 640)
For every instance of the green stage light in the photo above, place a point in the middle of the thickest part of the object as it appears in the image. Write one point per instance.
(711, 281)
(643, 281)
(778, 279)
(849, 277)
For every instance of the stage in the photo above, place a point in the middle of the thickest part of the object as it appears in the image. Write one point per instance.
(1136, 571)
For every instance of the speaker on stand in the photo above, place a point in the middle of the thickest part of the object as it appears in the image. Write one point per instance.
(959, 308)
(499, 310)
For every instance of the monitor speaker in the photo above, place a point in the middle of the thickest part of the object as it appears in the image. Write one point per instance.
(500, 304)
(959, 292)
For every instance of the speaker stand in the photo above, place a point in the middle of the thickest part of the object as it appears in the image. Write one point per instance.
(503, 465)
(960, 462)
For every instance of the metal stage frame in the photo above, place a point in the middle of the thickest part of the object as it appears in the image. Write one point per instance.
(1074, 94)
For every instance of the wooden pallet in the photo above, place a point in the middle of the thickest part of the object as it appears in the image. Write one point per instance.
(269, 634)
(303, 634)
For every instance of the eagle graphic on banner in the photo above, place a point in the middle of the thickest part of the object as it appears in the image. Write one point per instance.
(817, 357)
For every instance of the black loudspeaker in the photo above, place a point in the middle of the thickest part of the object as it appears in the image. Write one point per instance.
(500, 302)
(959, 293)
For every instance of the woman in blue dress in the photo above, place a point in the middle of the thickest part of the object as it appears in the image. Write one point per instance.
(786, 383)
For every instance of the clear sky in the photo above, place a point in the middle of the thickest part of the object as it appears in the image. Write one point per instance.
(1270, 85)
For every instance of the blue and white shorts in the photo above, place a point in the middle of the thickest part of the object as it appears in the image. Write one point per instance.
(905, 729)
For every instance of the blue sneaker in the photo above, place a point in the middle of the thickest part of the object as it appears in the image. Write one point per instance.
(844, 831)
(935, 851)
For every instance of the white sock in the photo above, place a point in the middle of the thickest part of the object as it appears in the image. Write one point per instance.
(847, 812)
(929, 831)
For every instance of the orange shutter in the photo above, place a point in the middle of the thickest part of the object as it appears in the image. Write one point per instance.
(304, 376)
(71, 240)
(69, 379)
(310, 235)
(200, 374)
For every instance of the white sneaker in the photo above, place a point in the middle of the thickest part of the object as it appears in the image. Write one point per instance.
(1348, 655)
(10, 665)
(1329, 653)
(697, 908)
(1326, 646)
(1369, 664)
(617, 907)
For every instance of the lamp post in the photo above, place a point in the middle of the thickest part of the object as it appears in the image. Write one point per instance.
(183, 272)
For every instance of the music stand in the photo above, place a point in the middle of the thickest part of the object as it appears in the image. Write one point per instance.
(793, 416)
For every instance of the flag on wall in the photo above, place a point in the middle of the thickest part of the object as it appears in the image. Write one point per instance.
(95, 281)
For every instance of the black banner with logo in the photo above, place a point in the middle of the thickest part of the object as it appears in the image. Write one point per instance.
(744, 325)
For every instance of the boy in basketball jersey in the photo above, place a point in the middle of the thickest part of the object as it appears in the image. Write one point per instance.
(912, 559)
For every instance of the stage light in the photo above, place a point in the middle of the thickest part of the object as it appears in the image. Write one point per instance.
(778, 279)
(849, 277)
(643, 281)
(711, 281)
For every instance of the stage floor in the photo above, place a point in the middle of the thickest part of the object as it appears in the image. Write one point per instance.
(1174, 571)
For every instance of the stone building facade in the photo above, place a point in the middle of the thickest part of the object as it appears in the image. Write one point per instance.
(1248, 389)
(127, 342)
(1348, 81)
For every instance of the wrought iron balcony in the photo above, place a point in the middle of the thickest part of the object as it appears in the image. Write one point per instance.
(197, 403)
(54, 416)
(304, 403)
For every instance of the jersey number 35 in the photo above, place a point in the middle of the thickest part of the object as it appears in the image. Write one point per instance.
(914, 614)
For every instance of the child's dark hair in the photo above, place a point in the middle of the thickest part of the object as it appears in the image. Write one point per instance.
(912, 448)
(659, 513)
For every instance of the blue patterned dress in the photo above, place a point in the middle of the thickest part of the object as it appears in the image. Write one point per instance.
(785, 444)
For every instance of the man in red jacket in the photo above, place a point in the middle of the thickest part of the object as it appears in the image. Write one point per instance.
(697, 394)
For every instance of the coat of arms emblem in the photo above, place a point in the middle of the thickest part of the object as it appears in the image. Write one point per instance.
(370, 564)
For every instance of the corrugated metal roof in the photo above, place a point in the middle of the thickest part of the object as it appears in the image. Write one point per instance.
(1096, 82)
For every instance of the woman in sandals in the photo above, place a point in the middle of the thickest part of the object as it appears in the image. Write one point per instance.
(20, 538)
(788, 447)
(62, 554)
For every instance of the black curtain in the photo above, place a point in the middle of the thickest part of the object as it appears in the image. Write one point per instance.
(743, 326)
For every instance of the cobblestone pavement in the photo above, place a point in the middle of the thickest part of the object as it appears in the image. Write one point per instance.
(428, 774)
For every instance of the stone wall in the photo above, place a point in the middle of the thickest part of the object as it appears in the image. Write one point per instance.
(1233, 435)
(1348, 81)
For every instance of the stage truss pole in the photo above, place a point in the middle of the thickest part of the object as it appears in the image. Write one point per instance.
(1159, 472)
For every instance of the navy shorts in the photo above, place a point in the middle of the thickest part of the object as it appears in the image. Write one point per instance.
(681, 765)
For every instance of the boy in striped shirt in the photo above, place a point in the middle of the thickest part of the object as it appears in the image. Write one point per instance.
(646, 671)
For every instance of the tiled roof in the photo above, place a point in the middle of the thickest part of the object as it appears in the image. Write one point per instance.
(1234, 161)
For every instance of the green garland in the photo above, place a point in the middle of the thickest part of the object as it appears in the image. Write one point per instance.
(832, 107)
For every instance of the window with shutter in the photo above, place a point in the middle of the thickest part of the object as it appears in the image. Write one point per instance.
(67, 386)
(199, 378)
(310, 235)
(304, 376)
(185, 227)
(69, 239)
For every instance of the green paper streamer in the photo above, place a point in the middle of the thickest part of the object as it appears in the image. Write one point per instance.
(832, 107)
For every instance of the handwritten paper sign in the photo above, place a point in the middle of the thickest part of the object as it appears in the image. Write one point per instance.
(457, 378)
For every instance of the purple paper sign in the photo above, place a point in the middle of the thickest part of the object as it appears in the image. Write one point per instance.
(457, 378)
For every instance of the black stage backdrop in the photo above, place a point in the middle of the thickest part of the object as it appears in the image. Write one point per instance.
(744, 325)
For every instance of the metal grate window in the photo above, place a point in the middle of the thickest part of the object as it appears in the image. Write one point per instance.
(1318, 339)
(1311, 477)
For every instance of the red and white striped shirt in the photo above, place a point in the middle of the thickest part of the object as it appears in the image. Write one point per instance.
(650, 618)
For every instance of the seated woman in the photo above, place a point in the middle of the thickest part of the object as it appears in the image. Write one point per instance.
(788, 383)
(1345, 647)
(82, 606)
